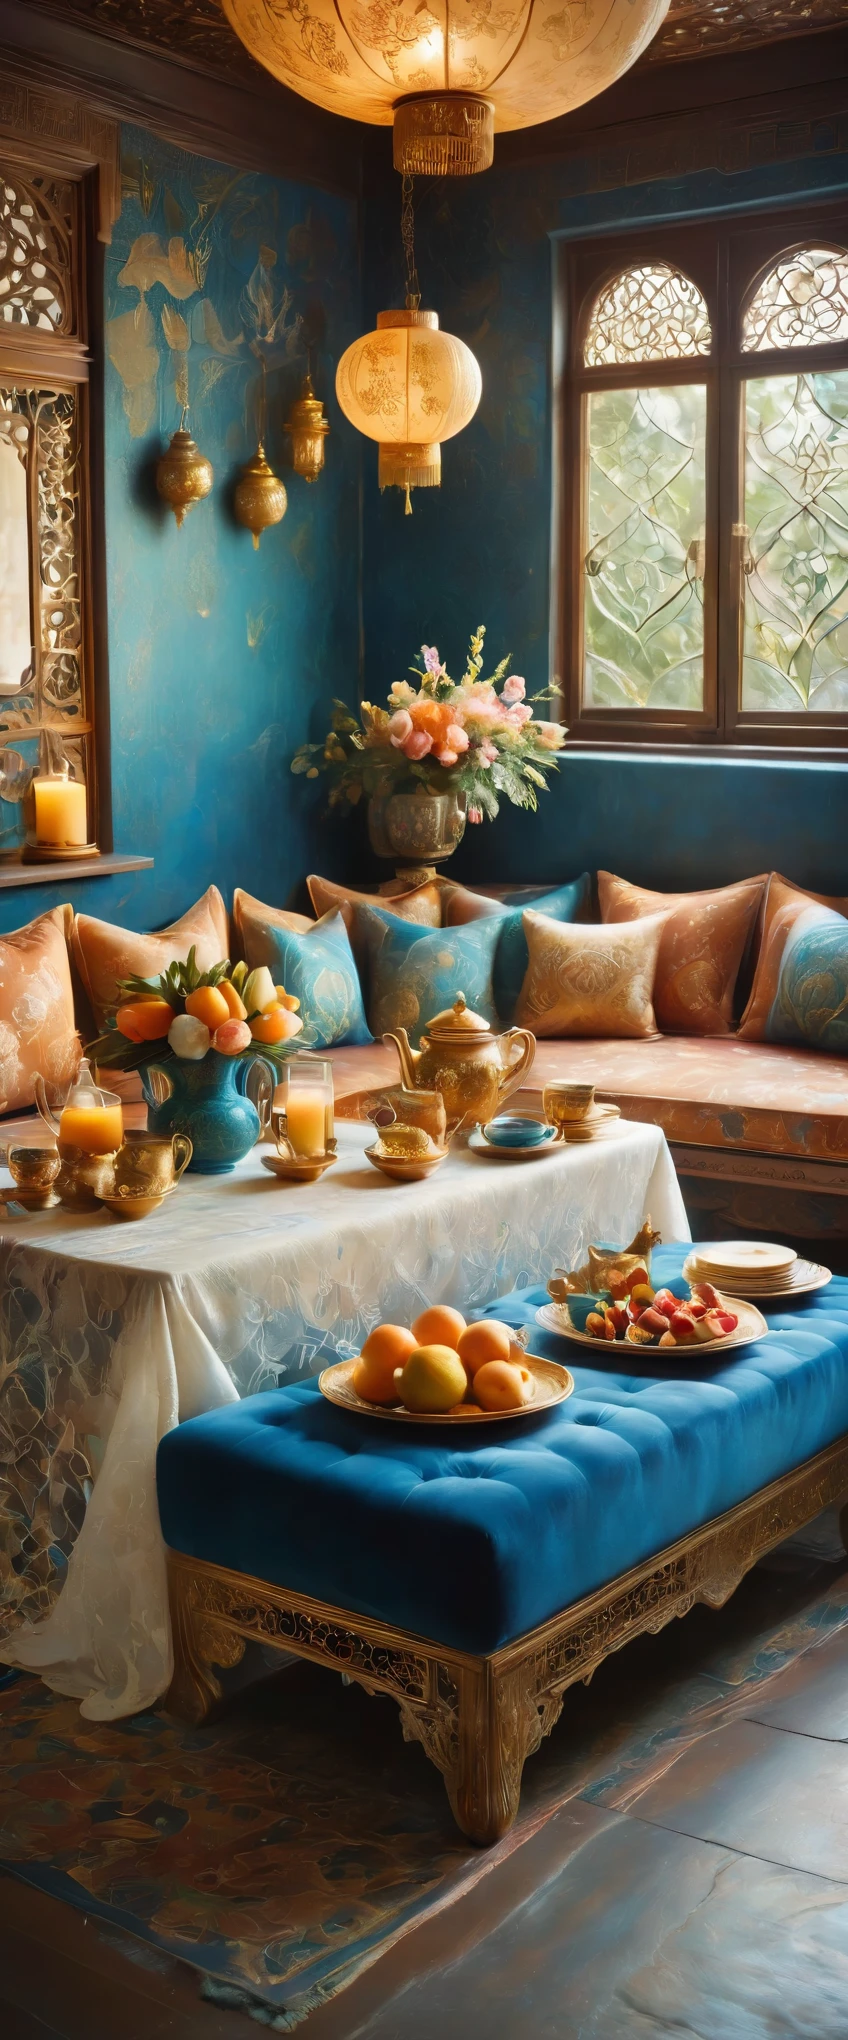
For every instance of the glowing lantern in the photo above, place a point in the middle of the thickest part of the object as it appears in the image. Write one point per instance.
(447, 74)
(409, 387)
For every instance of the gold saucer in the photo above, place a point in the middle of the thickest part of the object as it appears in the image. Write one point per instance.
(406, 1168)
(141, 1206)
(298, 1169)
(551, 1383)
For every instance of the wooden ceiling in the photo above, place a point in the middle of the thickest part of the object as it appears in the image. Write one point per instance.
(197, 30)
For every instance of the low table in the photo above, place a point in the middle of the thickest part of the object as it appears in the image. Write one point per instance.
(475, 1575)
(111, 1333)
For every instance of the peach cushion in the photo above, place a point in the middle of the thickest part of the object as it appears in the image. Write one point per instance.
(423, 903)
(589, 980)
(783, 904)
(702, 947)
(37, 1025)
(247, 910)
(104, 953)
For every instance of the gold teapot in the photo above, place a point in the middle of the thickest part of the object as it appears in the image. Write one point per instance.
(474, 1069)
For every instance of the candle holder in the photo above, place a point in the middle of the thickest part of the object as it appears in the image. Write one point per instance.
(59, 831)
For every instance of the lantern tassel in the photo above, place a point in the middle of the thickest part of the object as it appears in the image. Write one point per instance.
(408, 510)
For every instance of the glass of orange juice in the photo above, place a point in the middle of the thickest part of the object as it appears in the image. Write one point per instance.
(302, 1111)
(91, 1119)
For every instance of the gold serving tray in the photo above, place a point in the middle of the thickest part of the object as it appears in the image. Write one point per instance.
(752, 1325)
(552, 1384)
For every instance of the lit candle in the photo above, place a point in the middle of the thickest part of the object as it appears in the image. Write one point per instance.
(61, 812)
(306, 1118)
(99, 1129)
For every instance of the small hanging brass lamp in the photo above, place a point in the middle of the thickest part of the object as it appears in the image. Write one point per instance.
(308, 427)
(183, 474)
(260, 498)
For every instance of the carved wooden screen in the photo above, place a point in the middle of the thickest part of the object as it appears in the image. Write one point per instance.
(703, 562)
(46, 677)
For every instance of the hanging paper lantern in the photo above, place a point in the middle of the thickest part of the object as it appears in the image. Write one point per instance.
(447, 75)
(409, 387)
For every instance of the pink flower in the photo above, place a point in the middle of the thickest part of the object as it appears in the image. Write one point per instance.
(519, 715)
(400, 727)
(514, 688)
(485, 755)
(456, 737)
(432, 662)
(475, 814)
(418, 744)
(447, 756)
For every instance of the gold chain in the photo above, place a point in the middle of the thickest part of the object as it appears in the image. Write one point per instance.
(407, 229)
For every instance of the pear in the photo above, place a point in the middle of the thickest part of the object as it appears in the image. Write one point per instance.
(432, 1381)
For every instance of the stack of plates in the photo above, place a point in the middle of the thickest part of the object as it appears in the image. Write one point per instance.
(754, 1268)
(592, 1125)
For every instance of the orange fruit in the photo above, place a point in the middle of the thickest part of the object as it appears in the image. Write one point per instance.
(235, 1004)
(209, 1005)
(500, 1386)
(385, 1349)
(439, 1326)
(145, 1019)
(285, 998)
(485, 1341)
(277, 1024)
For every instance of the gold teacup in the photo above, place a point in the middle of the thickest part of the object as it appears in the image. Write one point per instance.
(33, 1169)
(425, 1109)
(83, 1178)
(562, 1103)
(150, 1164)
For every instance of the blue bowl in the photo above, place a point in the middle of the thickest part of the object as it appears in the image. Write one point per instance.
(512, 1132)
(579, 1308)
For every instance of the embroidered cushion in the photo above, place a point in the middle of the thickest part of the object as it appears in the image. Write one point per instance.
(702, 947)
(460, 905)
(810, 1005)
(415, 973)
(422, 903)
(103, 953)
(589, 980)
(314, 961)
(784, 905)
(37, 1025)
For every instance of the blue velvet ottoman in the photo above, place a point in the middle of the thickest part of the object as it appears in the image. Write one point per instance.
(475, 1576)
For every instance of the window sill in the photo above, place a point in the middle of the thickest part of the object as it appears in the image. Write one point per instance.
(69, 869)
(719, 753)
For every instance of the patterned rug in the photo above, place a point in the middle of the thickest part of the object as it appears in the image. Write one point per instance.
(286, 1846)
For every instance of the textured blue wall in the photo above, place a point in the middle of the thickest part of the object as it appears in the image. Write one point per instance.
(220, 657)
(477, 550)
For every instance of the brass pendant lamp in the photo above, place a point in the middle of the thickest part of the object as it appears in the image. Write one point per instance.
(183, 474)
(308, 429)
(260, 499)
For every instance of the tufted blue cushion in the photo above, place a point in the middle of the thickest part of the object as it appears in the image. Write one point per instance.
(472, 1541)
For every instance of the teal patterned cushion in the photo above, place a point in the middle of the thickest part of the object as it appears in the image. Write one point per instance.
(316, 966)
(415, 973)
(562, 903)
(810, 1006)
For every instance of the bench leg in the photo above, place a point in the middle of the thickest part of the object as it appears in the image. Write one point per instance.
(194, 1688)
(480, 1738)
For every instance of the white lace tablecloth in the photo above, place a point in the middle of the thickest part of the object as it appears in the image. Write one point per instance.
(110, 1333)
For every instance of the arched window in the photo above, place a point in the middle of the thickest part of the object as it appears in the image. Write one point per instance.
(802, 302)
(704, 576)
(649, 313)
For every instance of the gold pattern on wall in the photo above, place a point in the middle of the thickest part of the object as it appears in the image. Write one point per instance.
(802, 302)
(650, 313)
(36, 225)
(703, 28)
(41, 426)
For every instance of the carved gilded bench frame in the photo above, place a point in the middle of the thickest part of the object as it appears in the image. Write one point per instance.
(479, 1718)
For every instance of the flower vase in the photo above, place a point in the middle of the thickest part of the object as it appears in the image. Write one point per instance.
(208, 1101)
(421, 828)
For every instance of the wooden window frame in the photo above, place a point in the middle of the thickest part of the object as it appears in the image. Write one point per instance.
(726, 259)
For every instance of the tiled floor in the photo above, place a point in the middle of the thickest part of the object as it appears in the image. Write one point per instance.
(695, 1887)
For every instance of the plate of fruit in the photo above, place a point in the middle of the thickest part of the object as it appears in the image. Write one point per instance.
(442, 1370)
(632, 1313)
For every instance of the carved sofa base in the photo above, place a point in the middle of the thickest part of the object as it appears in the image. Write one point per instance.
(479, 1718)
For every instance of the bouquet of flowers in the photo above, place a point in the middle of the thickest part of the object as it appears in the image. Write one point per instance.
(190, 1013)
(473, 735)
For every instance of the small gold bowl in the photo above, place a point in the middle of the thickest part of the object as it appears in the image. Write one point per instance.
(298, 1168)
(406, 1168)
(130, 1206)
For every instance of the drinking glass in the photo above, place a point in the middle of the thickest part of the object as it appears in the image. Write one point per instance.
(302, 1111)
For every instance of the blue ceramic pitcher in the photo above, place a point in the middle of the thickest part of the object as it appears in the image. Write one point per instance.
(208, 1101)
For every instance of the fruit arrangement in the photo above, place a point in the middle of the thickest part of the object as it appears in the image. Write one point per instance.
(632, 1311)
(443, 1364)
(186, 1012)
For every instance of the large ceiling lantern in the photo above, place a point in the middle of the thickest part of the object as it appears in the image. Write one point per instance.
(447, 72)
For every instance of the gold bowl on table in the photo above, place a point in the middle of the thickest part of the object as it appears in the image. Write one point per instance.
(292, 1168)
(551, 1384)
(135, 1204)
